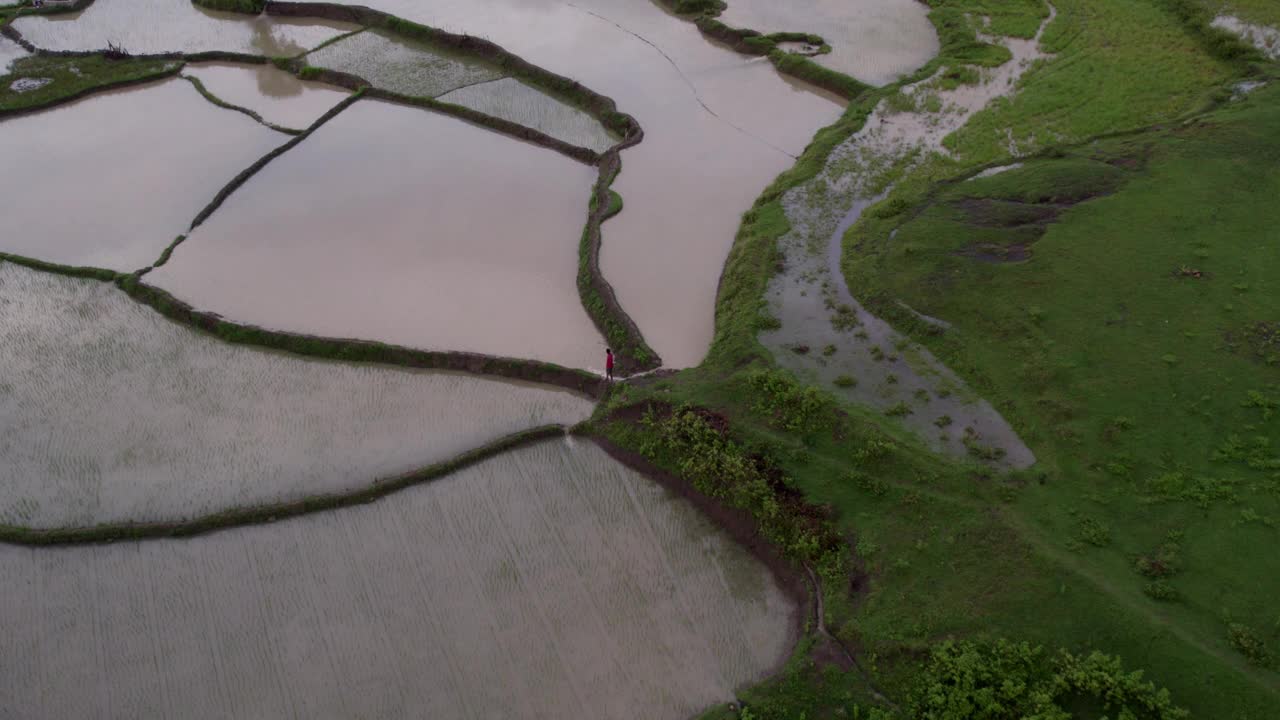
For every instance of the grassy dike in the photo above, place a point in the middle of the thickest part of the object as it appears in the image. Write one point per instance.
(940, 559)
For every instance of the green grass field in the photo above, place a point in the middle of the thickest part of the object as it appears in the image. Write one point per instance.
(1115, 299)
(74, 76)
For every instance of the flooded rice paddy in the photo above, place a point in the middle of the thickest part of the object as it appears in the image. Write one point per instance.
(401, 65)
(110, 413)
(549, 582)
(106, 185)
(875, 41)
(718, 128)
(9, 51)
(279, 97)
(145, 27)
(396, 224)
(511, 99)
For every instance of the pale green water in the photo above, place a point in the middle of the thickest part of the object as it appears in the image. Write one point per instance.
(511, 99)
(402, 66)
(550, 582)
(110, 413)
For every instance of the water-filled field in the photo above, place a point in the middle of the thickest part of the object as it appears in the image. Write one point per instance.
(513, 100)
(279, 97)
(718, 128)
(110, 413)
(875, 41)
(395, 224)
(157, 26)
(549, 582)
(133, 183)
(401, 65)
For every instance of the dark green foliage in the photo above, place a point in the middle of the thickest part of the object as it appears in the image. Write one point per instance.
(1246, 640)
(1196, 17)
(1014, 681)
(252, 7)
(787, 403)
(811, 72)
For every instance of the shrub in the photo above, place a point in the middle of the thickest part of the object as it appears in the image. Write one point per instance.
(787, 403)
(1245, 639)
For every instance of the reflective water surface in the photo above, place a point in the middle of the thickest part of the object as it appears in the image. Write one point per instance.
(105, 184)
(157, 26)
(397, 224)
(279, 97)
(110, 413)
(550, 580)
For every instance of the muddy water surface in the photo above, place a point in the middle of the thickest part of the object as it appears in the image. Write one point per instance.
(403, 66)
(511, 99)
(550, 580)
(279, 97)
(718, 128)
(157, 26)
(110, 413)
(9, 51)
(396, 224)
(875, 41)
(105, 184)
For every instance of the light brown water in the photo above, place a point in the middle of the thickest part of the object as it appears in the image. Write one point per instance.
(875, 41)
(157, 26)
(546, 583)
(110, 413)
(396, 224)
(279, 97)
(511, 99)
(402, 66)
(105, 184)
(718, 128)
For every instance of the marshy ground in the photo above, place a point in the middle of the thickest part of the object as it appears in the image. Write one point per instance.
(303, 319)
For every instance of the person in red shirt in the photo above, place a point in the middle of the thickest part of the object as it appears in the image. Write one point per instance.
(608, 364)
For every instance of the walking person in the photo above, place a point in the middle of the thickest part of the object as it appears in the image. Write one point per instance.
(608, 364)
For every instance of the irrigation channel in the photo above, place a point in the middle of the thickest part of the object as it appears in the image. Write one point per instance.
(298, 324)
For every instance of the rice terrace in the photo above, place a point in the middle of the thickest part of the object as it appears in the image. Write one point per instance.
(754, 359)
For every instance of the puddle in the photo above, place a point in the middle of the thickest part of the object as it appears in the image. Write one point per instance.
(396, 224)
(990, 172)
(9, 52)
(106, 185)
(550, 579)
(110, 413)
(22, 85)
(817, 309)
(279, 97)
(875, 41)
(512, 100)
(158, 26)
(401, 65)
(719, 127)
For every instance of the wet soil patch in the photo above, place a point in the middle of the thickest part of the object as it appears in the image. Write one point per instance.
(1259, 341)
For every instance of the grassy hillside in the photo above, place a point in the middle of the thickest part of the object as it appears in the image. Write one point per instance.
(1114, 298)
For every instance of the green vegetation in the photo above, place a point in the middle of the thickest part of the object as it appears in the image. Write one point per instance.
(75, 77)
(252, 7)
(1113, 300)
